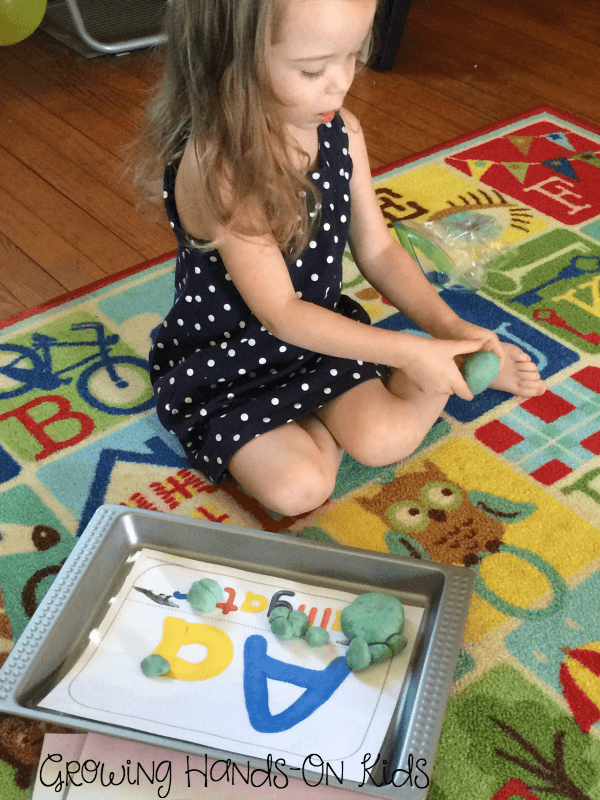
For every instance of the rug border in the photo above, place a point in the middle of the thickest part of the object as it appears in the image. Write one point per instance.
(83, 290)
(90, 287)
(523, 115)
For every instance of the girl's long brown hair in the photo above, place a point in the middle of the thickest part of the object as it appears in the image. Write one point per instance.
(216, 89)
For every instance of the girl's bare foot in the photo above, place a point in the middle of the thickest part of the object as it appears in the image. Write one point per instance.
(518, 374)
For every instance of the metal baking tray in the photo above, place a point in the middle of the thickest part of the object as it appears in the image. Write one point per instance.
(78, 600)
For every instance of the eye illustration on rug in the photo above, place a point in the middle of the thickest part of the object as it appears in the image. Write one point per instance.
(436, 518)
(502, 213)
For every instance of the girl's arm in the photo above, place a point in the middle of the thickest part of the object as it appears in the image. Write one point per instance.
(386, 264)
(260, 274)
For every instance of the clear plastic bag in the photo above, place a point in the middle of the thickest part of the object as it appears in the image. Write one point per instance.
(456, 251)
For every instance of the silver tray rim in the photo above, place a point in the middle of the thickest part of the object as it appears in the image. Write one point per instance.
(115, 530)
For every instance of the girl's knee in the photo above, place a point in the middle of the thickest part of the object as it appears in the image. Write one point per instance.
(300, 490)
(384, 444)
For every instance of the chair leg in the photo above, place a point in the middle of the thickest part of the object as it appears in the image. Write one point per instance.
(392, 19)
(114, 47)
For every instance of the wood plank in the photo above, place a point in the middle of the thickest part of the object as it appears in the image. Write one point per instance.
(25, 283)
(462, 79)
(68, 178)
(90, 83)
(526, 56)
(384, 133)
(527, 20)
(76, 226)
(375, 92)
(523, 68)
(92, 158)
(90, 120)
(578, 18)
(63, 262)
(65, 139)
(9, 304)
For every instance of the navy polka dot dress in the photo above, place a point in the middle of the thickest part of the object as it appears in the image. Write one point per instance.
(219, 376)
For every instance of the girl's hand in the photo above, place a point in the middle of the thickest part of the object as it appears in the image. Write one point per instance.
(487, 339)
(432, 368)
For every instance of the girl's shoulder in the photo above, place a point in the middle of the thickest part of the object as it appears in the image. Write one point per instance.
(187, 180)
(356, 139)
(351, 123)
(195, 216)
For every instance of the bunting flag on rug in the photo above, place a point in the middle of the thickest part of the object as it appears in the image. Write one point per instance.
(478, 167)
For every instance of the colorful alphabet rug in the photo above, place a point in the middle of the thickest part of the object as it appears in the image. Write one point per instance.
(508, 489)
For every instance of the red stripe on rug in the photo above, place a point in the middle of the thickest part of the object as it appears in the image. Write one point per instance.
(468, 137)
(564, 115)
(89, 287)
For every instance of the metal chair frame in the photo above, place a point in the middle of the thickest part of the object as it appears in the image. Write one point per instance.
(391, 28)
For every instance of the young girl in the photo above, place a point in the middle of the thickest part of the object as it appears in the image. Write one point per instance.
(262, 368)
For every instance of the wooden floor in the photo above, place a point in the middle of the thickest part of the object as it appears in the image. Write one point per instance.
(68, 217)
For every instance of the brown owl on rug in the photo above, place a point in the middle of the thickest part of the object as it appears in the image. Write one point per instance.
(6, 634)
(21, 743)
(430, 516)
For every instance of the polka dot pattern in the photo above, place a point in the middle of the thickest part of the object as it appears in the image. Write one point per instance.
(220, 378)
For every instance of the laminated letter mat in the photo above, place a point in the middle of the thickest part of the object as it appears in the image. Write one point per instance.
(291, 694)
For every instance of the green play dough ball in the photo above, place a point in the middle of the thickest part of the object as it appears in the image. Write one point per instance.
(397, 642)
(282, 628)
(279, 611)
(357, 655)
(379, 653)
(155, 665)
(373, 616)
(316, 637)
(480, 369)
(299, 621)
(204, 595)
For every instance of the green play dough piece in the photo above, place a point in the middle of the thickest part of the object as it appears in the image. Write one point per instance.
(279, 611)
(358, 656)
(480, 369)
(373, 616)
(282, 628)
(299, 622)
(397, 642)
(316, 637)
(204, 595)
(379, 653)
(155, 665)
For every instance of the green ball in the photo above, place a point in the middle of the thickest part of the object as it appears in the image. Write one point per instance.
(19, 19)
(379, 653)
(155, 665)
(282, 628)
(480, 369)
(204, 595)
(397, 642)
(358, 656)
(373, 616)
(316, 637)
(279, 611)
(299, 621)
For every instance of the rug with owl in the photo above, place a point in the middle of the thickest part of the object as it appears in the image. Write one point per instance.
(509, 490)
